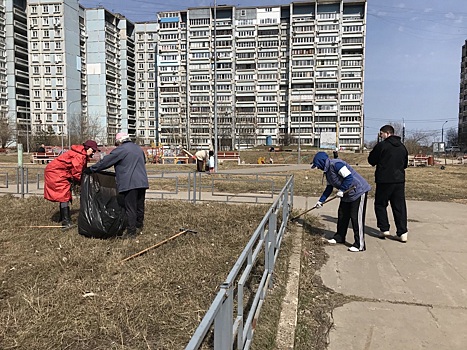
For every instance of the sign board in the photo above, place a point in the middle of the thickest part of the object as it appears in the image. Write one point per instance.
(438, 147)
(327, 140)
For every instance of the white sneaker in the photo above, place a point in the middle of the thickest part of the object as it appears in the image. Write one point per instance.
(402, 238)
(332, 241)
(384, 234)
(353, 249)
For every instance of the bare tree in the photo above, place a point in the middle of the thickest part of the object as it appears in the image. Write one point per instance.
(6, 131)
(452, 137)
(83, 127)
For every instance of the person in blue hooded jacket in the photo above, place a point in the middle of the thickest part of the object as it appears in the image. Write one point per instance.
(352, 190)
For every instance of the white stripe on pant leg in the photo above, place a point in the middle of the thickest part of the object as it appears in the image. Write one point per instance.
(361, 226)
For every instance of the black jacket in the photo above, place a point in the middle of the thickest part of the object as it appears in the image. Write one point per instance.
(391, 159)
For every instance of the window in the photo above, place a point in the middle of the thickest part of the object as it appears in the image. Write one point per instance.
(58, 45)
(46, 34)
(45, 21)
(48, 69)
(56, 8)
(46, 45)
(45, 8)
(35, 70)
(34, 34)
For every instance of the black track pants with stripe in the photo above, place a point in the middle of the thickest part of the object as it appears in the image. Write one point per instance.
(352, 211)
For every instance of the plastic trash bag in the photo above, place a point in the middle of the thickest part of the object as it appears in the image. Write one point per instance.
(102, 212)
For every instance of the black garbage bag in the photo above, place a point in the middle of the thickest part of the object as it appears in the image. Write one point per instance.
(102, 212)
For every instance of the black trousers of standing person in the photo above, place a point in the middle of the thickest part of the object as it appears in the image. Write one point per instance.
(199, 165)
(394, 194)
(352, 211)
(134, 208)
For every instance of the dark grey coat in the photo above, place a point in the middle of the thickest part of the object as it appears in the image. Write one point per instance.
(130, 166)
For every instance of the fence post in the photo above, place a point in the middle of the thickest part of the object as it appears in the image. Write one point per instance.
(194, 188)
(19, 148)
(223, 323)
(271, 245)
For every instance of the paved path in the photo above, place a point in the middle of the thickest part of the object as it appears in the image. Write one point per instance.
(415, 293)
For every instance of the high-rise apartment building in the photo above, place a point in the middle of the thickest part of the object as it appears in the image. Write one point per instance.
(110, 56)
(15, 39)
(462, 125)
(145, 53)
(56, 57)
(286, 74)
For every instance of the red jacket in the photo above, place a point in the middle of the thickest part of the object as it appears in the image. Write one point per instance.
(60, 172)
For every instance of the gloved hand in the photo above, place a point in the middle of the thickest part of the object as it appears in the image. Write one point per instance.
(318, 205)
(87, 171)
(340, 194)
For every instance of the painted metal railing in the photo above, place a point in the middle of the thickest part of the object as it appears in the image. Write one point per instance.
(231, 319)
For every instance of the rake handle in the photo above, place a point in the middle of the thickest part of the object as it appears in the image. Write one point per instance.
(155, 245)
(326, 201)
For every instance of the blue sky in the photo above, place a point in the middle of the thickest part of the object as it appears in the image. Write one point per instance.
(413, 55)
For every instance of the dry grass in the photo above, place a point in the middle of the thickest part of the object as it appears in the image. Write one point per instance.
(63, 291)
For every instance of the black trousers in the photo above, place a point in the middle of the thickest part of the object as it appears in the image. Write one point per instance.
(199, 165)
(394, 194)
(134, 208)
(352, 211)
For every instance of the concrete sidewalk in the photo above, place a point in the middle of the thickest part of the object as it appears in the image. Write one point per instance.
(415, 294)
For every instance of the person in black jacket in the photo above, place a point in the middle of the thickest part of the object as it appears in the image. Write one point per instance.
(129, 162)
(391, 159)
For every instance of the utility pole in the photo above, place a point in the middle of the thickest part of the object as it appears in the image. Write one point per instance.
(403, 130)
(215, 87)
(156, 85)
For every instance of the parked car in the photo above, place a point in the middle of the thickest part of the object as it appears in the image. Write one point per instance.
(452, 149)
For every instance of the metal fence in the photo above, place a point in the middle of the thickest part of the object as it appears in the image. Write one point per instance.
(231, 318)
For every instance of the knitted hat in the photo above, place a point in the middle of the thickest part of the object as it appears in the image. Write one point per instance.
(91, 144)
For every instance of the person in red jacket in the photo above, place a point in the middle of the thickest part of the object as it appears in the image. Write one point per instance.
(62, 172)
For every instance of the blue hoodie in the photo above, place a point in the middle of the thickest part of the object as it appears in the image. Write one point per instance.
(332, 168)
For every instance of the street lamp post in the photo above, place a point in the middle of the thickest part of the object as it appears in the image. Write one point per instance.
(442, 131)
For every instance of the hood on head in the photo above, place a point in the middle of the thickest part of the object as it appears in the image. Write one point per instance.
(319, 161)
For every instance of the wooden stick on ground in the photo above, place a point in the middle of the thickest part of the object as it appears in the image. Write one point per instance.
(158, 244)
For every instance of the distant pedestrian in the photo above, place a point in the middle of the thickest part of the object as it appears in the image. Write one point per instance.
(352, 206)
(391, 159)
(62, 172)
(202, 157)
(211, 164)
(129, 162)
(41, 153)
(335, 153)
